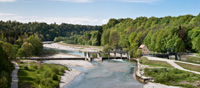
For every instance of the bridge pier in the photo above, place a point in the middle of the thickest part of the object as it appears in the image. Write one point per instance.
(115, 55)
(121, 55)
(88, 58)
(99, 56)
(108, 55)
(128, 57)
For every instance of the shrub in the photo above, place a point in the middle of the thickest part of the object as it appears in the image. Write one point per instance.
(55, 70)
(41, 67)
(165, 75)
(47, 74)
(48, 83)
(37, 79)
(54, 76)
(139, 53)
(26, 68)
(106, 48)
(3, 82)
(38, 72)
(4, 74)
(27, 84)
(62, 69)
(33, 66)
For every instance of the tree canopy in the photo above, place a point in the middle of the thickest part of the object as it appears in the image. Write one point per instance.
(158, 34)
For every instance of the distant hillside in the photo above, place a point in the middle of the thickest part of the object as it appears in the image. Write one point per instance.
(180, 33)
(11, 30)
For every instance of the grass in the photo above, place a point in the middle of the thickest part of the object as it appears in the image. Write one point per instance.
(174, 77)
(154, 63)
(189, 66)
(193, 59)
(35, 75)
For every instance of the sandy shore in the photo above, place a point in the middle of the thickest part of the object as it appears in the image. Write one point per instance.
(62, 55)
(75, 63)
(72, 47)
(68, 77)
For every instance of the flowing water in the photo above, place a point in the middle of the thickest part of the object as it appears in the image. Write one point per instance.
(106, 74)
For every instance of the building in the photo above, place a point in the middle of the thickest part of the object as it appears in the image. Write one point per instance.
(144, 49)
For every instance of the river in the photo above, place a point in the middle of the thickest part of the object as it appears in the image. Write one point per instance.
(106, 74)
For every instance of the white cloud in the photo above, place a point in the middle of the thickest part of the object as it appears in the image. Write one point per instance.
(7, 14)
(58, 20)
(7, 0)
(77, 1)
(140, 1)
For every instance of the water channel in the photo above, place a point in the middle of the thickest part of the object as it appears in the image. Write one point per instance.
(106, 74)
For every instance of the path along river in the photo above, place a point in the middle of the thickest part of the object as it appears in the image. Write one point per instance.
(106, 74)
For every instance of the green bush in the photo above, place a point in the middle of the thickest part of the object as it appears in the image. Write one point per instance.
(41, 67)
(47, 74)
(4, 74)
(62, 69)
(48, 83)
(35, 67)
(3, 82)
(26, 68)
(54, 76)
(106, 48)
(55, 70)
(139, 53)
(38, 72)
(169, 75)
(37, 80)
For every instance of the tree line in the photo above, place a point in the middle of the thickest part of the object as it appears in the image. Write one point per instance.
(11, 30)
(180, 34)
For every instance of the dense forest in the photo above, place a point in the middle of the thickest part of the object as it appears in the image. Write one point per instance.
(11, 30)
(180, 33)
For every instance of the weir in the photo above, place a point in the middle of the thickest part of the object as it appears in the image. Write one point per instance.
(87, 56)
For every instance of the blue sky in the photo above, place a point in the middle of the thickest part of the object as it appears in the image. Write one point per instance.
(92, 12)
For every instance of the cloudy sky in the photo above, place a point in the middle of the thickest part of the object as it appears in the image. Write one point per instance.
(92, 12)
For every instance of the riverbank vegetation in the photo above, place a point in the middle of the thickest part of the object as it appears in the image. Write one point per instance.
(24, 46)
(68, 40)
(175, 77)
(158, 34)
(6, 67)
(154, 63)
(32, 46)
(40, 75)
(189, 66)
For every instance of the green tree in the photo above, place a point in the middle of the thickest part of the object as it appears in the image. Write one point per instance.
(26, 50)
(9, 50)
(114, 38)
(36, 43)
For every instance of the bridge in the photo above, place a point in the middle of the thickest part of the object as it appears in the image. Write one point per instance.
(87, 56)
